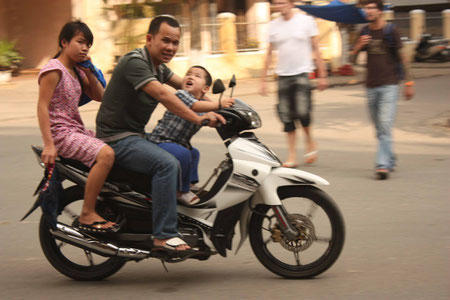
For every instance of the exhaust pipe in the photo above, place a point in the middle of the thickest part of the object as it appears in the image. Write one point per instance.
(71, 236)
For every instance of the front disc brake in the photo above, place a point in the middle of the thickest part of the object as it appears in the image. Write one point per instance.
(305, 238)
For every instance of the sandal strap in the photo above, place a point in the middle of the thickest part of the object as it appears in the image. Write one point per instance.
(312, 153)
(98, 223)
(96, 226)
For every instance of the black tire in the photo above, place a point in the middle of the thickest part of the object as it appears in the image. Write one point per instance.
(59, 260)
(418, 59)
(443, 57)
(277, 258)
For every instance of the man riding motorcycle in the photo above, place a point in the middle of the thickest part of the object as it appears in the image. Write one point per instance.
(134, 91)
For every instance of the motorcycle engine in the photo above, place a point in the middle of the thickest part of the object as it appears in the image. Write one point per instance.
(191, 235)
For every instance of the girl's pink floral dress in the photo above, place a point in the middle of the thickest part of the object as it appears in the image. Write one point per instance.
(71, 138)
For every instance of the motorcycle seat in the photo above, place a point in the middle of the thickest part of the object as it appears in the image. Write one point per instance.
(121, 177)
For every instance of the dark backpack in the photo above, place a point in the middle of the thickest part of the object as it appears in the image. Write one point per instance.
(389, 41)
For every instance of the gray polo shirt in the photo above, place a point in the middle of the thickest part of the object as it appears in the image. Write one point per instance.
(126, 108)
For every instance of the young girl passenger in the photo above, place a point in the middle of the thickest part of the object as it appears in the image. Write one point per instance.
(62, 129)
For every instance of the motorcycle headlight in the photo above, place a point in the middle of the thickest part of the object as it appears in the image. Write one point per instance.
(252, 118)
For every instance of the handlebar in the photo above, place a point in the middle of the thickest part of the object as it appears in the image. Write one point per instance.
(205, 122)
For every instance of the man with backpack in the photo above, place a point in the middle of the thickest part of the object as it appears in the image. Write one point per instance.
(386, 67)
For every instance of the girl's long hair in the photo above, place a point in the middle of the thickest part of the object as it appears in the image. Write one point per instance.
(72, 28)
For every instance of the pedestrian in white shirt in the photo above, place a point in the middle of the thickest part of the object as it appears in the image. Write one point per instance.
(295, 37)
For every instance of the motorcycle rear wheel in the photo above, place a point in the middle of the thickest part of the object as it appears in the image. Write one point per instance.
(318, 218)
(417, 58)
(74, 262)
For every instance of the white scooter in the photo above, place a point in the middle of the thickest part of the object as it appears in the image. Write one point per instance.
(295, 229)
(430, 48)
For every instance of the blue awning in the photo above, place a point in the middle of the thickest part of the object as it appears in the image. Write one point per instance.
(336, 11)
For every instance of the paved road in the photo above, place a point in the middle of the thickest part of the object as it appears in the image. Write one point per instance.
(398, 233)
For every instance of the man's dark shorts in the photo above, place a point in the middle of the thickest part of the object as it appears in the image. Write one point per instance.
(294, 100)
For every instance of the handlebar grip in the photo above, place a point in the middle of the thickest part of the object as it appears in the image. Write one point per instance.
(205, 122)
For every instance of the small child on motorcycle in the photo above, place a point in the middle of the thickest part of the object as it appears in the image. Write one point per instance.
(173, 133)
(62, 129)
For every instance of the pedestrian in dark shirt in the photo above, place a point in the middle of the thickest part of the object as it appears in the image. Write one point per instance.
(386, 65)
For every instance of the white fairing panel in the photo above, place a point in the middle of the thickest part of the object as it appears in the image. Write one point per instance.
(256, 170)
(249, 150)
(243, 183)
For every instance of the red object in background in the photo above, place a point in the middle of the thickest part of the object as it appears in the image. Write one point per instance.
(312, 75)
(346, 70)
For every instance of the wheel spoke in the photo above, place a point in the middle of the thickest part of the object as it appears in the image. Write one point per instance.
(70, 213)
(89, 257)
(297, 257)
(323, 239)
(270, 217)
(266, 229)
(312, 210)
(60, 245)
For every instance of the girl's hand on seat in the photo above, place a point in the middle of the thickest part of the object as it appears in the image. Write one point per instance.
(49, 155)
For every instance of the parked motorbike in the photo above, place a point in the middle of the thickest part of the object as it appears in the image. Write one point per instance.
(295, 229)
(432, 49)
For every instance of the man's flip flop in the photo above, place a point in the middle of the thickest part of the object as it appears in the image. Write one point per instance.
(171, 246)
(311, 157)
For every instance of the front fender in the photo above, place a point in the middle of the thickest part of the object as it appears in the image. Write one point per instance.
(296, 176)
(267, 192)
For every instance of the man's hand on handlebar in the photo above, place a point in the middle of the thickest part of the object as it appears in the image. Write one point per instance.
(212, 119)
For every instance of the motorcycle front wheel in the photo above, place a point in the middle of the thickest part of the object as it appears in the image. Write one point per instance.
(74, 262)
(319, 242)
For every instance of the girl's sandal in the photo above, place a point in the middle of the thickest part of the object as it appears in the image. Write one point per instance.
(96, 227)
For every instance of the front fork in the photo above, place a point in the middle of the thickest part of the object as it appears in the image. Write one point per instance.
(281, 214)
(291, 233)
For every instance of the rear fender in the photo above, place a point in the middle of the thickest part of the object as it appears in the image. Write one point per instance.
(76, 176)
